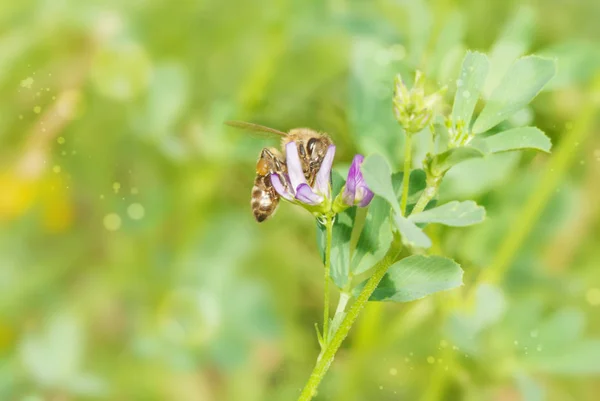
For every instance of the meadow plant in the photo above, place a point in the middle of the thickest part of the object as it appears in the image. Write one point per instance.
(381, 254)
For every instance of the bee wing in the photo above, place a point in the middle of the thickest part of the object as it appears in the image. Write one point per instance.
(254, 127)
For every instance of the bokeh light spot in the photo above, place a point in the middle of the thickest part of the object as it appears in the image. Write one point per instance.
(136, 211)
(112, 222)
(593, 296)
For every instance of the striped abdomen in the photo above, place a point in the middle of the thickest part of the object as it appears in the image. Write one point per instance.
(264, 198)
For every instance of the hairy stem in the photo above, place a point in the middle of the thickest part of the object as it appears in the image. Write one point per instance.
(327, 356)
(329, 228)
(406, 177)
(427, 195)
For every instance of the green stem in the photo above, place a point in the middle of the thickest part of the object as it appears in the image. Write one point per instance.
(329, 228)
(328, 354)
(406, 177)
(427, 194)
(343, 301)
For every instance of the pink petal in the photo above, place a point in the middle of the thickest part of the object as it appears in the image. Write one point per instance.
(280, 188)
(324, 175)
(365, 195)
(294, 165)
(306, 195)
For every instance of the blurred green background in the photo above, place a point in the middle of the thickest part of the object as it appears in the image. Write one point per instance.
(131, 267)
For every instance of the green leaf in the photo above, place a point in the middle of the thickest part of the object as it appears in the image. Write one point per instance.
(455, 213)
(469, 86)
(476, 176)
(375, 237)
(517, 138)
(411, 234)
(378, 176)
(342, 234)
(444, 161)
(416, 184)
(522, 82)
(417, 276)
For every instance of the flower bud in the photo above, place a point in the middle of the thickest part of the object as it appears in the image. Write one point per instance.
(355, 192)
(412, 108)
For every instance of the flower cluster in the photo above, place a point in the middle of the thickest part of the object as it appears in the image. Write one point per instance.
(317, 198)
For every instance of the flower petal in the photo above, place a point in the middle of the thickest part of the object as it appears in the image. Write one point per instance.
(306, 195)
(354, 174)
(294, 165)
(365, 195)
(280, 188)
(324, 175)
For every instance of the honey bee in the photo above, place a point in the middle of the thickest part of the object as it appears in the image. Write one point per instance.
(312, 147)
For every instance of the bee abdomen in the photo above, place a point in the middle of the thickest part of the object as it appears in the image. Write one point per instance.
(264, 200)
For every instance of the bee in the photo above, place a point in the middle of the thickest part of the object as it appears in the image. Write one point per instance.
(312, 146)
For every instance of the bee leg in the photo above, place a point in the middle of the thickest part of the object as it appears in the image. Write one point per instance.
(273, 159)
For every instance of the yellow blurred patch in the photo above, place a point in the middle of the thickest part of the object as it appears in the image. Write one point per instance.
(16, 196)
(57, 206)
(7, 336)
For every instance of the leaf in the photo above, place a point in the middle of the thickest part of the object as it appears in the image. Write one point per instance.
(522, 82)
(444, 161)
(340, 243)
(469, 86)
(411, 234)
(378, 176)
(476, 176)
(455, 213)
(517, 138)
(375, 237)
(416, 184)
(417, 276)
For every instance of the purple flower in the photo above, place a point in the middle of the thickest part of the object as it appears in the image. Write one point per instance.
(356, 191)
(293, 185)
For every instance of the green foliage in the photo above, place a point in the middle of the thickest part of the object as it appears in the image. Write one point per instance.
(131, 266)
(342, 234)
(521, 83)
(469, 86)
(441, 163)
(456, 214)
(375, 237)
(517, 138)
(417, 276)
(378, 176)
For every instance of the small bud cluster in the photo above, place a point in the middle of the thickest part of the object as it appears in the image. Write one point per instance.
(412, 108)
